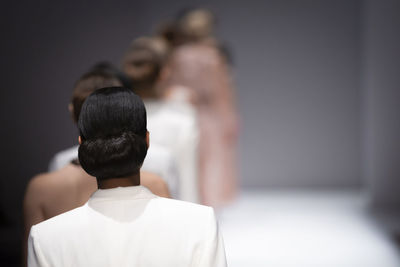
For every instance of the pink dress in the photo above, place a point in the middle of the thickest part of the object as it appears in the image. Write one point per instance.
(202, 69)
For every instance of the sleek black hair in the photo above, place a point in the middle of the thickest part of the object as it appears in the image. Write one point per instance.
(112, 126)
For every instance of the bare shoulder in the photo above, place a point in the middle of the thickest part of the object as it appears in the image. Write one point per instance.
(39, 185)
(155, 183)
(54, 182)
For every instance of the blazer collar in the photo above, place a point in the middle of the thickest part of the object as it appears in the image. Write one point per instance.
(129, 192)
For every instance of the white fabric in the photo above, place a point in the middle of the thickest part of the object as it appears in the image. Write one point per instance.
(159, 160)
(63, 158)
(129, 226)
(173, 124)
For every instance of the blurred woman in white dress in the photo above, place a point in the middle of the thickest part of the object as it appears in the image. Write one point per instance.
(172, 121)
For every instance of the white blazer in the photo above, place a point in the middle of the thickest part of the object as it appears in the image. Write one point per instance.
(128, 226)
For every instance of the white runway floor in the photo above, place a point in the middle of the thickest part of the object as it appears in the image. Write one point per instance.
(304, 229)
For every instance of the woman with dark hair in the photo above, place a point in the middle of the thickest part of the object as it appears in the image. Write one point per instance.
(159, 161)
(123, 223)
(69, 186)
(102, 74)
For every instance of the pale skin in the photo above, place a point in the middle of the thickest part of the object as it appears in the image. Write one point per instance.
(50, 194)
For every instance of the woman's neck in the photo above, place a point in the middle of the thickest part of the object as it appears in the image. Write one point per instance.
(133, 180)
(148, 94)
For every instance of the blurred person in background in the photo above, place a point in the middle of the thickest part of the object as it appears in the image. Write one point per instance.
(102, 74)
(199, 63)
(159, 160)
(68, 187)
(123, 223)
(172, 122)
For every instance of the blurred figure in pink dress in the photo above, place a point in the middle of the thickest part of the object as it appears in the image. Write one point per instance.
(200, 64)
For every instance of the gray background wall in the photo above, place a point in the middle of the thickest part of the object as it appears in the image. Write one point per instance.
(300, 68)
(299, 93)
(382, 103)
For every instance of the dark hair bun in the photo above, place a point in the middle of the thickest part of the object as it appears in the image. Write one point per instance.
(112, 126)
(114, 156)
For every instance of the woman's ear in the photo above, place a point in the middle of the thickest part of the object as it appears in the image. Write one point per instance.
(79, 140)
(147, 139)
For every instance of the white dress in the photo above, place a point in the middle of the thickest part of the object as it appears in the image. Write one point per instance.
(173, 125)
(129, 226)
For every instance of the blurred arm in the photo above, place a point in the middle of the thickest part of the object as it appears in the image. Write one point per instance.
(225, 101)
(33, 212)
(187, 160)
(155, 183)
